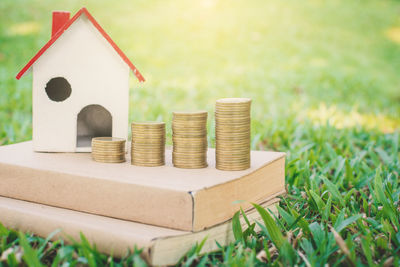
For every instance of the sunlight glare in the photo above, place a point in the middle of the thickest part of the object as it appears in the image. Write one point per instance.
(25, 28)
(341, 119)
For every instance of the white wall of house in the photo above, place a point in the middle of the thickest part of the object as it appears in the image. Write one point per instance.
(97, 75)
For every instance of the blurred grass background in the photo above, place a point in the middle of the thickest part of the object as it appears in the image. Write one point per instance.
(315, 60)
(324, 79)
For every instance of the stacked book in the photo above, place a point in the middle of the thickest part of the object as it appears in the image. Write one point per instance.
(118, 207)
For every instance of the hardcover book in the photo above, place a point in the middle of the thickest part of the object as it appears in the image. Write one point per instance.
(182, 199)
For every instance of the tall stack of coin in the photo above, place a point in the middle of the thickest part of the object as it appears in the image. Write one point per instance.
(148, 144)
(189, 139)
(108, 149)
(232, 133)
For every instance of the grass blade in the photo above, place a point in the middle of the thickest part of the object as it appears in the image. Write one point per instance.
(237, 227)
(270, 224)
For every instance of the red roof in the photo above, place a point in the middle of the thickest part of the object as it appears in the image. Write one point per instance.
(65, 27)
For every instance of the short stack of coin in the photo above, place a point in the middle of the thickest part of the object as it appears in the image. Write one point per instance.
(189, 139)
(108, 149)
(232, 133)
(148, 144)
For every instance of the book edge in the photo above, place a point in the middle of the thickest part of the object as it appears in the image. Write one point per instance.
(199, 227)
(222, 231)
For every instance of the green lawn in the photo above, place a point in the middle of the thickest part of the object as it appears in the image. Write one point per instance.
(324, 79)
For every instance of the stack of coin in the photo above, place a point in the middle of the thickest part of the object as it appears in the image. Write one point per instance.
(108, 149)
(232, 134)
(148, 144)
(189, 136)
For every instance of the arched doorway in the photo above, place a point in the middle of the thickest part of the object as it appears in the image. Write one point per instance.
(92, 121)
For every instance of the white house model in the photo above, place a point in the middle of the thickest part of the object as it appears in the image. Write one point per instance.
(80, 86)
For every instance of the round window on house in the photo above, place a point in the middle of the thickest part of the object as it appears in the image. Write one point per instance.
(58, 89)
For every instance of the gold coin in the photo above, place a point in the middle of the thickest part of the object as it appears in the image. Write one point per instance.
(232, 139)
(189, 135)
(187, 156)
(189, 162)
(188, 127)
(231, 159)
(122, 155)
(102, 151)
(108, 147)
(153, 153)
(233, 168)
(195, 115)
(185, 133)
(149, 159)
(194, 166)
(149, 123)
(148, 129)
(232, 162)
(190, 120)
(190, 113)
(148, 145)
(189, 139)
(229, 162)
(110, 161)
(229, 135)
(232, 144)
(230, 153)
(226, 125)
(158, 152)
(227, 148)
(108, 153)
(118, 145)
(149, 141)
(109, 158)
(148, 136)
(184, 149)
(228, 121)
(108, 139)
(233, 101)
(108, 144)
(232, 108)
(226, 138)
(148, 150)
(144, 164)
(230, 131)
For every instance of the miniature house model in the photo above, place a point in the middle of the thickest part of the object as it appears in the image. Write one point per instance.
(80, 86)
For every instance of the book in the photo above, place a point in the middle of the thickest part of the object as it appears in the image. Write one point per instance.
(160, 246)
(182, 199)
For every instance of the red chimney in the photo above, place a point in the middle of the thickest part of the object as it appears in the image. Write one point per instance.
(59, 19)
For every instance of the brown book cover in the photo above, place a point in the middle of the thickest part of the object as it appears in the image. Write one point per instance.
(183, 199)
(161, 246)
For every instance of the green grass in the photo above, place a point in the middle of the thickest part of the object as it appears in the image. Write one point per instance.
(324, 77)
